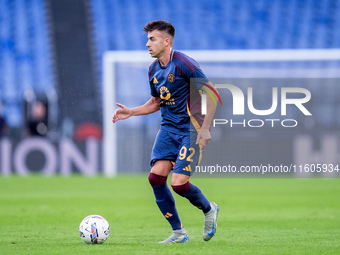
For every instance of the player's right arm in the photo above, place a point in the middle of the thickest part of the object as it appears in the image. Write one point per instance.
(123, 112)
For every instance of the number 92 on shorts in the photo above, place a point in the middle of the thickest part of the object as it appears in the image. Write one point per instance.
(181, 150)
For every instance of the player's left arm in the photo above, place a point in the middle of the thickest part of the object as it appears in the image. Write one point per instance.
(204, 136)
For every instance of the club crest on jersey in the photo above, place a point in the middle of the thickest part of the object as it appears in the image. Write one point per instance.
(171, 77)
(164, 93)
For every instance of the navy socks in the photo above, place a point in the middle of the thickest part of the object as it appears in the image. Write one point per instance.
(165, 200)
(194, 195)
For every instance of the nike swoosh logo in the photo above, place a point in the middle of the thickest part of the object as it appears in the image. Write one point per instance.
(212, 231)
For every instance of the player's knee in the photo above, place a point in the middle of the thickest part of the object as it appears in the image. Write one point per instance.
(181, 189)
(156, 180)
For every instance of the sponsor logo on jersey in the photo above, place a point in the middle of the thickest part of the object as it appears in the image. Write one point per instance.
(155, 80)
(165, 93)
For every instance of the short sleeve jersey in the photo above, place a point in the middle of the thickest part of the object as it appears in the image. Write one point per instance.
(180, 102)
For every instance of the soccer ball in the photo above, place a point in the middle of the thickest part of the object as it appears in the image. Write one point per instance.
(94, 229)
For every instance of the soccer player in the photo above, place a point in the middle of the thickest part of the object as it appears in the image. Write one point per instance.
(183, 132)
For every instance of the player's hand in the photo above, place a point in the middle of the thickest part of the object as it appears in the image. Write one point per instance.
(203, 138)
(121, 113)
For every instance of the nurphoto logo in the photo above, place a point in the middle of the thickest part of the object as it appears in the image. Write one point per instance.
(301, 97)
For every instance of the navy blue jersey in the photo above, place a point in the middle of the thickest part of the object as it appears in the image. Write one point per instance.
(172, 84)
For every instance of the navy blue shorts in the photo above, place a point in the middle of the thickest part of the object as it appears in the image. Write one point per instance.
(181, 150)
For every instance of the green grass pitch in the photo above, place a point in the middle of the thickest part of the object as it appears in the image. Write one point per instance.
(41, 215)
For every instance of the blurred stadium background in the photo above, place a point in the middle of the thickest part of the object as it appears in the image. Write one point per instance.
(52, 52)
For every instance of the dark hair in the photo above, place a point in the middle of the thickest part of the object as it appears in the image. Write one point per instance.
(160, 25)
